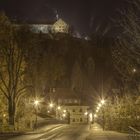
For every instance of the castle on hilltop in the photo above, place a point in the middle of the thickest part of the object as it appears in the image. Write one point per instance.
(58, 26)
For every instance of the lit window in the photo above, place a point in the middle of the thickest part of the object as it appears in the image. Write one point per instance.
(69, 100)
(75, 101)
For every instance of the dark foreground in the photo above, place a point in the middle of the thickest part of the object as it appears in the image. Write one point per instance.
(71, 132)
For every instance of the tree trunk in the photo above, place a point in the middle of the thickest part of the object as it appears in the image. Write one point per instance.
(11, 112)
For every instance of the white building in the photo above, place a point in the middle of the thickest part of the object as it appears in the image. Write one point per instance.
(76, 114)
(59, 26)
(72, 108)
(40, 28)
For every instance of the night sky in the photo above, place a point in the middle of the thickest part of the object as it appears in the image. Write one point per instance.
(84, 15)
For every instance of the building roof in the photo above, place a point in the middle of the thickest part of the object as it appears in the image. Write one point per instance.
(60, 22)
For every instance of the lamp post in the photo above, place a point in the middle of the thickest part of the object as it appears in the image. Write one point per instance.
(36, 103)
(58, 111)
(103, 113)
(103, 118)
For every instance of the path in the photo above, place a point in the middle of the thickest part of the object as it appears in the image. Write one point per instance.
(97, 133)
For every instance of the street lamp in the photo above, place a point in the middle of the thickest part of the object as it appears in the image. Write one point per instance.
(86, 113)
(99, 105)
(58, 107)
(97, 111)
(98, 108)
(95, 116)
(36, 103)
(102, 101)
(134, 70)
(64, 115)
(90, 117)
(4, 115)
(51, 105)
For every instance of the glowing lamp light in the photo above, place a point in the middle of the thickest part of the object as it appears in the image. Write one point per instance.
(64, 115)
(58, 107)
(102, 102)
(51, 105)
(95, 116)
(97, 110)
(86, 113)
(90, 117)
(36, 102)
(134, 70)
(64, 111)
(99, 105)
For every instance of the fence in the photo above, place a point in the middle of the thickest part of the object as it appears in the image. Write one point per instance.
(134, 134)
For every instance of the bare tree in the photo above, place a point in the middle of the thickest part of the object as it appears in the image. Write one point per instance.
(130, 22)
(126, 53)
(12, 66)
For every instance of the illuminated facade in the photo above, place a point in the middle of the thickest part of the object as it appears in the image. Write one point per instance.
(72, 110)
(40, 28)
(77, 114)
(59, 26)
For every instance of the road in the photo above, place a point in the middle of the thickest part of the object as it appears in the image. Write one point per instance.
(61, 132)
(97, 133)
(73, 132)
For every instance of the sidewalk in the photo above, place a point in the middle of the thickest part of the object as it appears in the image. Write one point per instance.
(97, 133)
(36, 131)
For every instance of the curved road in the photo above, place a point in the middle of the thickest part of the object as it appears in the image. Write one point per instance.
(72, 132)
(64, 132)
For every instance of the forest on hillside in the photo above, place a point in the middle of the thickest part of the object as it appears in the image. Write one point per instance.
(67, 62)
